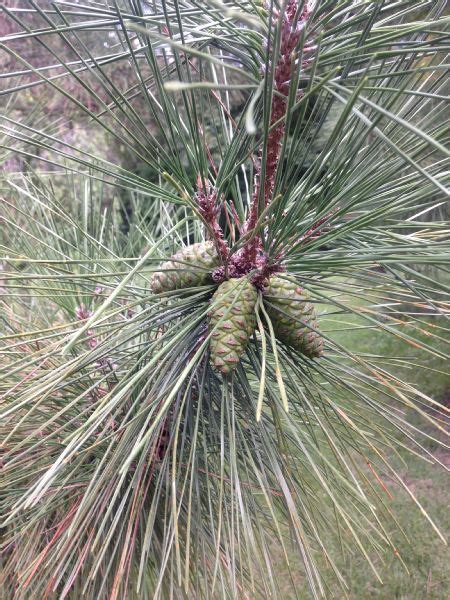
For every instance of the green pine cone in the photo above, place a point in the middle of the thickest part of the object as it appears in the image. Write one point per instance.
(234, 301)
(293, 316)
(189, 267)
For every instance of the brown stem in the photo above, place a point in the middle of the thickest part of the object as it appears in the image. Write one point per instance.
(252, 255)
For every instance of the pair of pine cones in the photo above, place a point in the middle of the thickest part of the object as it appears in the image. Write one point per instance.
(232, 318)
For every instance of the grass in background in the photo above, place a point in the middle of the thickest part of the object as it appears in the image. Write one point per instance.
(426, 558)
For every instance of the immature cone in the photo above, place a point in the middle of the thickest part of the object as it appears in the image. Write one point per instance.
(293, 317)
(233, 312)
(189, 267)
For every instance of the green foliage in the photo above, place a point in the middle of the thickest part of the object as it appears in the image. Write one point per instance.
(131, 468)
(425, 556)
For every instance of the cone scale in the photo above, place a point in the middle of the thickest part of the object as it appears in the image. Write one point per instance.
(189, 267)
(293, 318)
(232, 321)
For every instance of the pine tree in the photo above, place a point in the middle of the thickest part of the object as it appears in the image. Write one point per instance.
(296, 141)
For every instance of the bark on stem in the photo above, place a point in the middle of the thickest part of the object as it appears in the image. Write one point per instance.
(251, 255)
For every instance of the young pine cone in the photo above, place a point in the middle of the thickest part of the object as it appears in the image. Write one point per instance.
(232, 321)
(189, 267)
(293, 318)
